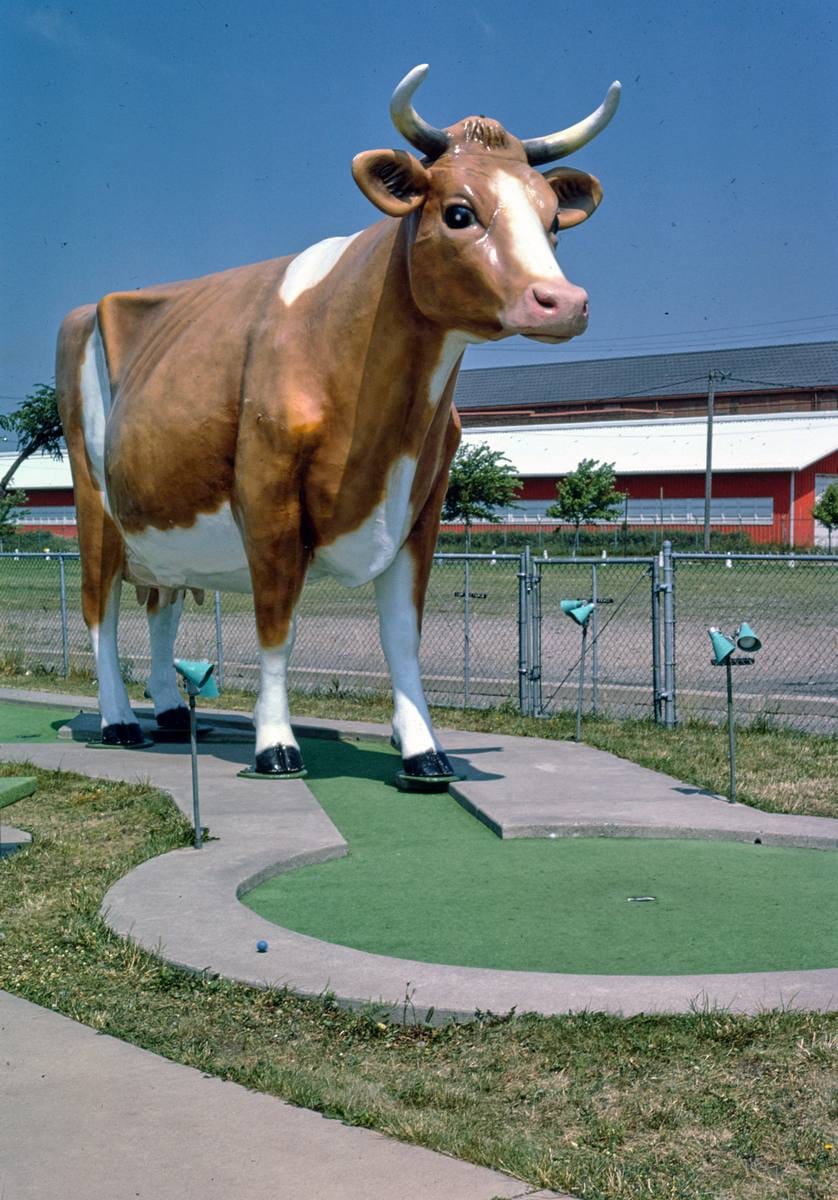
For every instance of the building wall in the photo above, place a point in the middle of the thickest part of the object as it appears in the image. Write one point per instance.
(774, 484)
(804, 497)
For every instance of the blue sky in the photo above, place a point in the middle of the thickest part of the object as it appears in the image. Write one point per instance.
(161, 141)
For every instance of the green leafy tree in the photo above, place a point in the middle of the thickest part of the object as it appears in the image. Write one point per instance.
(481, 481)
(11, 500)
(587, 494)
(826, 511)
(38, 428)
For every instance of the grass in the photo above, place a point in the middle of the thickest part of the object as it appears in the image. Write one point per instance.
(705, 1106)
(778, 770)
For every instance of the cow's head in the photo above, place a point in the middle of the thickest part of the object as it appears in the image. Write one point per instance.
(483, 222)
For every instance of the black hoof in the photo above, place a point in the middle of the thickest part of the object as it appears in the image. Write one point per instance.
(431, 764)
(277, 762)
(174, 718)
(123, 733)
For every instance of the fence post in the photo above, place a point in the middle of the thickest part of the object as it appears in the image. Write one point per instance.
(523, 634)
(656, 639)
(65, 640)
(594, 643)
(534, 585)
(668, 588)
(466, 631)
(219, 643)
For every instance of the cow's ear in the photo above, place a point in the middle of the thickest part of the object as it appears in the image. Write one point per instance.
(393, 180)
(577, 192)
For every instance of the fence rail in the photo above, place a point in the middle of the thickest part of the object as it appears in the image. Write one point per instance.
(494, 633)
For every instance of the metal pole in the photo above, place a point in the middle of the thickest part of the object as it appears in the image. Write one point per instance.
(523, 662)
(65, 640)
(219, 642)
(466, 633)
(580, 695)
(656, 636)
(534, 610)
(708, 469)
(731, 737)
(668, 589)
(193, 746)
(594, 643)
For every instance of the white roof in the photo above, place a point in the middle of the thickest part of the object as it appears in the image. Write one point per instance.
(38, 471)
(784, 442)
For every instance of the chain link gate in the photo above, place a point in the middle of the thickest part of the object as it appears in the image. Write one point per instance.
(623, 676)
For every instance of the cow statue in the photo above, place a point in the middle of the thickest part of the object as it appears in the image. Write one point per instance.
(294, 418)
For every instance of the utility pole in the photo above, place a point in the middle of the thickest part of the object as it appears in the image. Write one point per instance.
(712, 379)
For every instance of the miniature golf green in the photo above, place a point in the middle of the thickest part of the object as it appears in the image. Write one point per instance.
(32, 722)
(424, 880)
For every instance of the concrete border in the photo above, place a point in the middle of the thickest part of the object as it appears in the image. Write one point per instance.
(184, 905)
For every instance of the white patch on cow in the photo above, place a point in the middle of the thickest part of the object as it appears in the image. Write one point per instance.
(530, 245)
(96, 403)
(452, 347)
(311, 266)
(271, 716)
(399, 626)
(162, 631)
(114, 705)
(357, 557)
(207, 554)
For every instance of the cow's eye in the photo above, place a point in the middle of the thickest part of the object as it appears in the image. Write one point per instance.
(458, 216)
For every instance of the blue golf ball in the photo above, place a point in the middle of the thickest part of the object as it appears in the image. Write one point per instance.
(262, 946)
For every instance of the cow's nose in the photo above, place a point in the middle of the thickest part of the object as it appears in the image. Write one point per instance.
(563, 299)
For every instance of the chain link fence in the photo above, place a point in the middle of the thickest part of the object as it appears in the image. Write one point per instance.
(494, 633)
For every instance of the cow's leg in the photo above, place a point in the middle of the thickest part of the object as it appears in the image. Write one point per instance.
(278, 560)
(400, 594)
(101, 547)
(399, 619)
(119, 725)
(163, 620)
(277, 749)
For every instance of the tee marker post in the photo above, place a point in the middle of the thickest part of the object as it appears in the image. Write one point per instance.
(197, 676)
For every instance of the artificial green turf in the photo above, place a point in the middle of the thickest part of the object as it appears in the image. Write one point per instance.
(16, 787)
(32, 722)
(425, 880)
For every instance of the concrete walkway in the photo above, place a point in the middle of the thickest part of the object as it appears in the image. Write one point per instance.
(184, 905)
(87, 1117)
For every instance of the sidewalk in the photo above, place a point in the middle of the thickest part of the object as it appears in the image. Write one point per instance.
(87, 1117)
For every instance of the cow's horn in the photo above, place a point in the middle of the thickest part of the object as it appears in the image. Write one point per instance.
(406, 119)
(559, 145)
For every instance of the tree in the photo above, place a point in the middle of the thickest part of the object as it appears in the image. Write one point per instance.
(11, 500)
(38, 427)
(826, 511)
(587, 494)
(482, 480)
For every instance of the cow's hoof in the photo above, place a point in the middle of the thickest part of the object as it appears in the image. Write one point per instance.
(277, 762)
(427, 772)
(122, 735)
(173, 728)
(174, 718)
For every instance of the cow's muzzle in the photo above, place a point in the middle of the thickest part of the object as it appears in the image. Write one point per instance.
(554, 310)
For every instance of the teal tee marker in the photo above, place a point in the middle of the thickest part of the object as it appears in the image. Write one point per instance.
(746, 639)
(577, 610)
(198, 675)
(723, 647)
